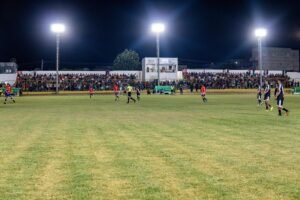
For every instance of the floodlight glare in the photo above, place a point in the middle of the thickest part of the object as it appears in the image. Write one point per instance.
(58, 28)
(158, 28)
(260, 32)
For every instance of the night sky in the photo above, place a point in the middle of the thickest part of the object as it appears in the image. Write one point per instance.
(97, 31)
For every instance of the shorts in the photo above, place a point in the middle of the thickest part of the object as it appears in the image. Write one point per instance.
(203, 94)
(259, 96)
(280, 102)
(7, 94)
(129, 94)
(267, 97)
(116, 93)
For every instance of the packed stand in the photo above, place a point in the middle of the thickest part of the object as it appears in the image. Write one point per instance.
(71, 82)
(192, 81)
(233, 80)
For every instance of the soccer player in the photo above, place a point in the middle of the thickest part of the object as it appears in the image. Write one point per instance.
(1, 89)
(138, 93)
(116, 91)
(276, 90)
(91, 91)
(129, 91)
(203, 93)
(280, 98)
(267, 95)
(259, 93)
(148, 91)
(181, 89)
(8, 93)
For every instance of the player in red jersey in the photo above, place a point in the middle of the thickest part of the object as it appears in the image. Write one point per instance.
(116, 91)
(8, 93)
(259, 93)
(91, 91)
(203, 93)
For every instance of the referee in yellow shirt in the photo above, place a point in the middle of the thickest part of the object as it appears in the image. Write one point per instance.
(129, 92)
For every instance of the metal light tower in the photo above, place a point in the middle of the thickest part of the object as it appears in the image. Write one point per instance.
(158, 28)
(58, 29)
(260, 33)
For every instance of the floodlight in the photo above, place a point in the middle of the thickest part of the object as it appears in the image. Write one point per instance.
(158, 28)
(57, 28)
(260, 32)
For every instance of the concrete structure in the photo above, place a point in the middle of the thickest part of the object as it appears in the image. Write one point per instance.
(277, 59)
(8, 72)
(168, 69)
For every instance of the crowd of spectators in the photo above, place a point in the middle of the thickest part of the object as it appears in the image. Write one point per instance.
(71, 82)
(81, 82)
(234, 80)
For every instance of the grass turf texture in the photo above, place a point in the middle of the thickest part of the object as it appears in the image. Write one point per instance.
(164, 147)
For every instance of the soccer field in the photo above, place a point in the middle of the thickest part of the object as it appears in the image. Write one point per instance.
(164, 147)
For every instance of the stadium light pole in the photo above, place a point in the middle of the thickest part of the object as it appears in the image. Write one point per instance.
(58, 29)
(260, 33)
(158, 28)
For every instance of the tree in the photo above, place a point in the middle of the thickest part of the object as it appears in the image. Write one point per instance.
(127, 60)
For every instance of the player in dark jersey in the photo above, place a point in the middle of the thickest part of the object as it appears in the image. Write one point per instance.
(259, 93)
(267, 96)
(1, 88)
(8, 93)
(280, 99)
(276, 90)
(181, 89)
(138, 93)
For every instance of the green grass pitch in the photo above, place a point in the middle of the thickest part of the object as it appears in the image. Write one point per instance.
(164, 147)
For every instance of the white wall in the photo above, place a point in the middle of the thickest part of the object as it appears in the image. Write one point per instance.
(274, 72)
(179, 75)
(270, 72)
(294, 76)
(10, 78)
(137, 73)
(238, 71)
(63, 72)
(205, 70)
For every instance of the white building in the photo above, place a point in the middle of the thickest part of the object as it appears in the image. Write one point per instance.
(8, 72)
(168, 69)
(277, 58)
